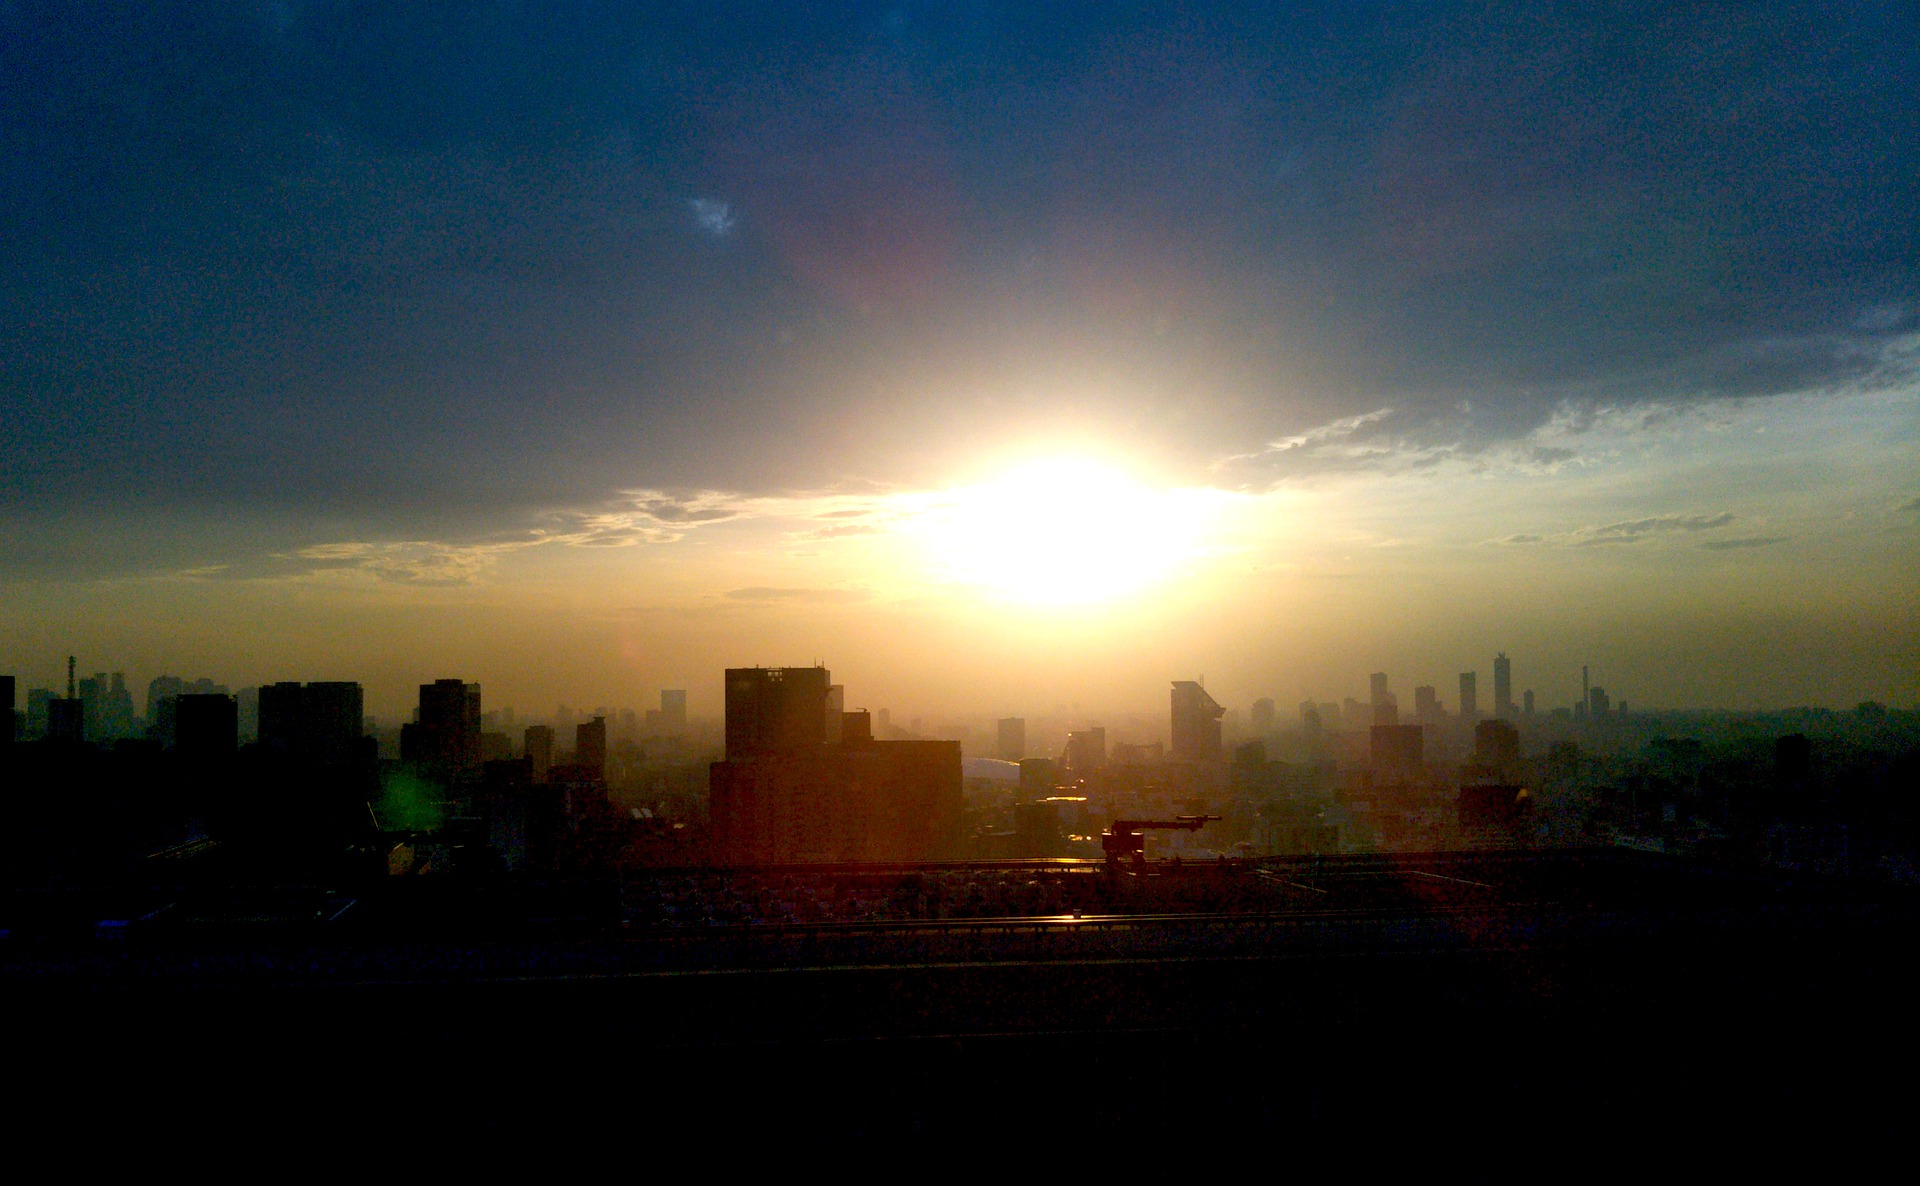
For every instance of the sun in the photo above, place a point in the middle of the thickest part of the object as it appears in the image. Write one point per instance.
(1060, 531)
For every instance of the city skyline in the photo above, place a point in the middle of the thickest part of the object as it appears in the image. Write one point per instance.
(113, 692)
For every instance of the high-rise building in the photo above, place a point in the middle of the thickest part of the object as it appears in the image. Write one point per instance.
(1196, 722)
(66, 719)
(1377, 688)
(1496, 743)
(1598, 705)
(205, 724)
(282, 706)
(1426, 704)
(590, 746)
(37, 701)
(771, 709)
(8, 729)
(448, 728)
(1527, 702)
(673, 707)
(160, 689)
(1311, 722)
(1469, 696)
(783, 794)
(320, 722)
(1502, 686)
(539, 750)
(335, 721)
(1263, 716)
(831, 723)
(1012, 741)
(1086, 750)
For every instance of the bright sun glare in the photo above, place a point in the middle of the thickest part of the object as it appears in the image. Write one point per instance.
(1062, 531)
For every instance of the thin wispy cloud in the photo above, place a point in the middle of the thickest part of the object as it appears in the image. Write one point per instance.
(1752, 541)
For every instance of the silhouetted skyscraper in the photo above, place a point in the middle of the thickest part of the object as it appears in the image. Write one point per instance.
(7, 726)
(1502, 686)
(66, 719)
(590, 746)
(539, 750)
(831, 725)
(448, 730)
(1196, 722)
(1527, 702)
(776, 708)
(205, 725)
(1086, 750)
(1469, 695)
(1012, 740)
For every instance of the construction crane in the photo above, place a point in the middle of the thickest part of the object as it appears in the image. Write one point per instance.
(1125, 839)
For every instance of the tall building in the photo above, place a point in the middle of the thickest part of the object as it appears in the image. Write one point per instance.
(1496, 743)
(8, 728)
(106, 707)
(1263, 716)
(783, 794)
(673, 707)
(448, 728)
(335, 721)
(1086, 750)
(1426, 704)
(772, 709)
(160, 689)
(282, 707)
(320, 722)
(831, 723)
(1502, 686)
(1385, 708)
(1012, 741)
(1527, 702)
(205, 725)
(66, 719)
(1469, 696)
(1196, 722)
(590, 746)
(539, 750)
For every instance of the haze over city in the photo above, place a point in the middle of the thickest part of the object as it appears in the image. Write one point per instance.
(1004, 356)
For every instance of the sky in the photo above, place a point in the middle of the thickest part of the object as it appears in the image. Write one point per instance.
(997, 355)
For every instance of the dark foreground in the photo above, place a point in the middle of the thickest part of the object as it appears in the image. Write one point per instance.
(1473, 1011)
